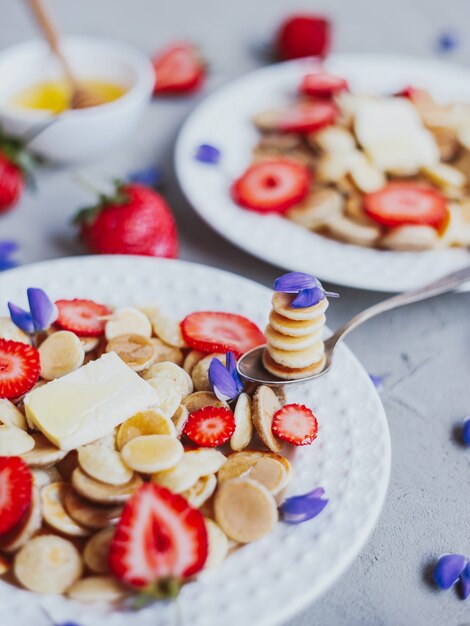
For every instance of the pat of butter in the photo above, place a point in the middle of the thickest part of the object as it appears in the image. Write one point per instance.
(393, 135)
(89, 403)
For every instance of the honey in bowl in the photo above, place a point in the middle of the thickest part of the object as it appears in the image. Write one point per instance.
(54, 95)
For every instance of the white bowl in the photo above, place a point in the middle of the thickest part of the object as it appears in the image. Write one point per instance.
(77, 135)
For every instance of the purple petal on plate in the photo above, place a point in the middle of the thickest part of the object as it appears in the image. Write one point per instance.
(231, 362)
(221, 381)
(465, 582)
(448, 569)
(307, 298)
(43, 311)
(466, 430)
(231, 367)
(205, 153)
(21, 318)
(293, 282)
(150, 177)
(331, 294)
(298, 509)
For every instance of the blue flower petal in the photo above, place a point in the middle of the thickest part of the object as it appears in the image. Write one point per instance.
(308, 297)
(447, 41)
(292, 282)
(43, 311)
(465, 582)
(300, 509)
(21, 318)
(377, 381)
(448, 569)
(466, 431)
(7, 248)
(221, 381)
(231, 363)
(205, 153)
(150, 177)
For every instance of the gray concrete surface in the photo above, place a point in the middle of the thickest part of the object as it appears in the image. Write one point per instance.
(424, 349)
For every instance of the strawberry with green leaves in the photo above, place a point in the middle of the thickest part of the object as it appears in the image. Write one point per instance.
(15, 171)
(134, 220)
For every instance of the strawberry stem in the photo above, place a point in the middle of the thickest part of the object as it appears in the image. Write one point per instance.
(164, 589)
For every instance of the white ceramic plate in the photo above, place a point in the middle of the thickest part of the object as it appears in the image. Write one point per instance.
(266, 582)
(223, 120)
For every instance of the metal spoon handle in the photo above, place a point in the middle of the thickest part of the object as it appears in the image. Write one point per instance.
(443, 285)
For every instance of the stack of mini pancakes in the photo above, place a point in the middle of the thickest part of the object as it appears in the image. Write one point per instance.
(294, 336)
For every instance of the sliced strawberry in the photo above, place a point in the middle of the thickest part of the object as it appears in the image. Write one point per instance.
(179, 68)
(159, 537)
(211, 331)
(272, 186)
(412, 93)
(307, 118)
(210, 426)
(296, 424)
(16, 486)
(322, 85)
(401, 203)
(82, 317)
(19, 368)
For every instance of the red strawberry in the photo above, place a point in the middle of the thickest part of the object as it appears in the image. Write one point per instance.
(19, 368)
(272, 186)
(12, 183)
(210, 331)
(136, 220)
(401, 203)
(210, 427)
(413, 93)
(302, 36)
(296, 424)
(322, 85)
(179, 69)
(159, 537)
(82, 317)
(16, 486)
(307, 118)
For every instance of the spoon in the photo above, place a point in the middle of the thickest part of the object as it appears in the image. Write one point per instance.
(250, 366)
(81, 97)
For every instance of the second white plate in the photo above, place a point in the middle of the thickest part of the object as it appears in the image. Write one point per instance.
(224, 120)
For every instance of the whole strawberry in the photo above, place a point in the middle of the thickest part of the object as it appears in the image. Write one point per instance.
(302, 36)
(135, 220)
(179, 69)
(12, 183)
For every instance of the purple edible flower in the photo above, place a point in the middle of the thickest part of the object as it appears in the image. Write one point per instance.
(42, 312)
(150, 177)
(465, 582)
(309, 289)
(446, 42)
(7, 249)
(448, 569)
(377, 381)
(205, 153)
(466, 430)
(298, 509)
(225, 381)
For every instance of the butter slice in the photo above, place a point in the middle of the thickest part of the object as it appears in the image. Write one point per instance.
(393, 135)
(89, 403)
